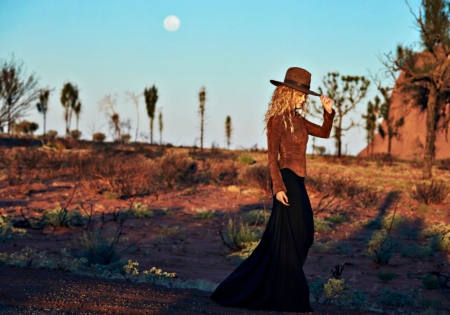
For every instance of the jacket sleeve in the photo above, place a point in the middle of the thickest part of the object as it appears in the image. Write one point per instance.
(274, 130)
(324, 130)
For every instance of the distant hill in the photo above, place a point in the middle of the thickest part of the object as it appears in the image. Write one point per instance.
(410, 144)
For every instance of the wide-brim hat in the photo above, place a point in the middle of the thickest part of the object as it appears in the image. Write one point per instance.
(298, 79)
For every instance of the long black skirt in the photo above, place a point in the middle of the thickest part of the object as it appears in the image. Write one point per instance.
(272, 277)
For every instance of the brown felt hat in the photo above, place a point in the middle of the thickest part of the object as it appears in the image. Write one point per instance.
(298, 79)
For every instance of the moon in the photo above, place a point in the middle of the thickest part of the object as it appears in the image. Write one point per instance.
(171, 23)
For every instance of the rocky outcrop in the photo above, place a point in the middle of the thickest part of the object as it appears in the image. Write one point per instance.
(410, 142)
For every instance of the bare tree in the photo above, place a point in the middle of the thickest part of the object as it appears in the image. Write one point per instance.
(202, 99)
(135, 99)
(228, 130)
(346, 92)
(42, 106)
(151, 97)
(428, 71)
(17, 92)
(108, 104)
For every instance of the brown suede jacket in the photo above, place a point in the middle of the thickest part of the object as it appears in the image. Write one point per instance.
(292, 150)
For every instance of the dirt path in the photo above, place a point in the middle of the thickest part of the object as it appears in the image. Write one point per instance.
(38, 291)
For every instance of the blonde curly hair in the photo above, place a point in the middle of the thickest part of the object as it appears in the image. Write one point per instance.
(281, 102)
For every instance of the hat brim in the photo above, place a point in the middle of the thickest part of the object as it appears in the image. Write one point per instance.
(295, 87)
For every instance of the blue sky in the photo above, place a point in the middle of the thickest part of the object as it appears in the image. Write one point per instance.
(233, 48)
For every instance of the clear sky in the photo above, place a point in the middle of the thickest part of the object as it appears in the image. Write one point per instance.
(231, 47)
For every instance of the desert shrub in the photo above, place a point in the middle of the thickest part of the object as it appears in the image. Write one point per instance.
(409, 232)
(75, 134)
(204, 214)
(427, 193)
(396, 298)
(51, 134)
(389, 219)
(239, 235)
(438, 236)
(374, 224)
(26, 127)
(343, 248)
(444, 164)
(246, 159)
(224, 173)
(140, 211)
(322, 246)
(321, 225)
(337, 218)
(367, 198)
(123, 176)
(131, 268)
(318, 183)
(416, 251)
(316, 289)
(253, 217)
(98, 137)
(199, 284)
(125, 138)
(430, 282)
(334, 290)
(429, 304)
(258, 176)
(380, 247)
(61, 217)
(245, 252)
(7, 229)
(177, 168)
(345, 187)
(98, 249)
(386, 276)
(157, 276)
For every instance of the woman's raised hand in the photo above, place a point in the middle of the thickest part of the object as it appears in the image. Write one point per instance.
(327, 103)
(281, 197)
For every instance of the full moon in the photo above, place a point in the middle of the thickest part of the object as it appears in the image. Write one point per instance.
(171, 23)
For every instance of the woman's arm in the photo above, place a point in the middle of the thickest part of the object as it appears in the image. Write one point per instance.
(324, 130)
(274, 130)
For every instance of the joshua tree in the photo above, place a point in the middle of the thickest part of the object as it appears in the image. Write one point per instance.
(17, 92)
(135, 99)
(202, 99)
(228, 130)
(373, 111)
(42, 106)
(428, 70)
(69, 100)
(151, 97)
(77, 111)
(160, 120)
(346, 92)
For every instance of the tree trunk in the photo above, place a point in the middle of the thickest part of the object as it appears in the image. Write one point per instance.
(431, 133)
(389, 144)
(45, 120)
(151, 130)
(201, 134)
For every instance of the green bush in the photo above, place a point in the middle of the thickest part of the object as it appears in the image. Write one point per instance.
(430, 304)
(337, 218)
(98, 137)
(396, 298)
(430, 282)
(321, 225)
(7, 229)
(239, 235)
(386, 276)
(396, 221)
(140, 211)
(253, 217)
(427, 193)
(61, 217)
(204, 214)
(98, 249)
(380, 247)
(438, 236)
(246, 159)
(75, 134)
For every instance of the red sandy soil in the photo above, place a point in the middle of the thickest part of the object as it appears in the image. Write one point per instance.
(193, 250)
(37, 291)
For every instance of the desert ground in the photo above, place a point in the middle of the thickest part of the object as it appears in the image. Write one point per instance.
(137, 229)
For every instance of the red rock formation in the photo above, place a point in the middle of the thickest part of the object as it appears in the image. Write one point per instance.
(410, 143)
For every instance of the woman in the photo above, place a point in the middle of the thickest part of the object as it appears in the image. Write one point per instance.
(272, 277)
